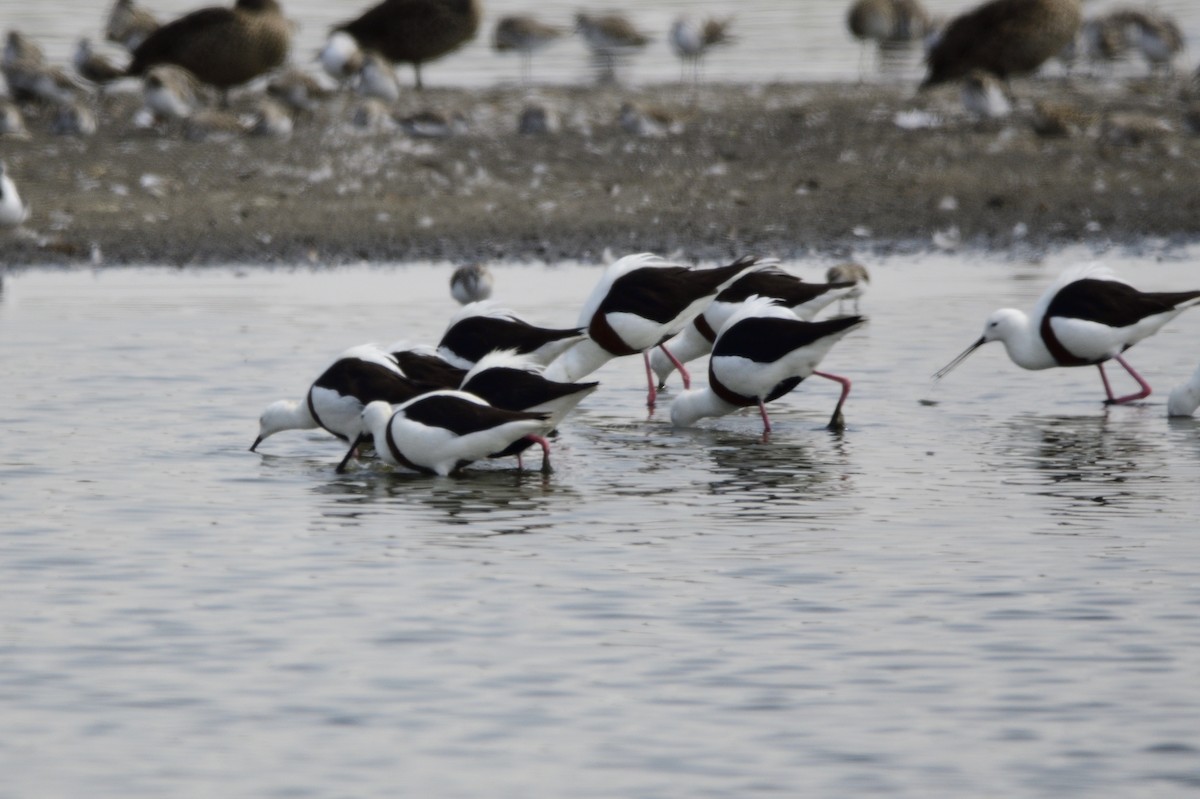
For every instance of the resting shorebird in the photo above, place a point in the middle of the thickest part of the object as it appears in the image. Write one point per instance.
(1156, 36)
(341, 57)
(129, 25)
(984, 95)
(849, 272)
(93, 66)
(13, 210)
(170, 92)
(471, 283)
(691, 40)
(526, 35)
(888, 22)
(377, 78)
(223, 47)
(609, 37)
(1085, 318)
(415, 31)
(763, 352)
(73, 118)
(1003, 37)
(12, 124)
(298, 90)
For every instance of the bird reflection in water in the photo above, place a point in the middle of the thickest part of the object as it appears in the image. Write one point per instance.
(493, 501)
(766, 475)
(1083, 459)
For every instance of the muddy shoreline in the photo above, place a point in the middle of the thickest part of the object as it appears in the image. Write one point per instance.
(791, 170)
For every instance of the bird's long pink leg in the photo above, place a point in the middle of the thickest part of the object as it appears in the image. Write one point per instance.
(836, 422)
(683, 372)
(545, 445)
(1107, 387)
(651, 394)
(1145, 392)
(762, 408)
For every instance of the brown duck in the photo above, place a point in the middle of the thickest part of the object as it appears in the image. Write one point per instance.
(223, 47)
(415, 31)
(1003, 37)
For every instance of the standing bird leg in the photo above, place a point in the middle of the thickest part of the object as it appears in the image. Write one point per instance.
(836, 422)
(1145, 387)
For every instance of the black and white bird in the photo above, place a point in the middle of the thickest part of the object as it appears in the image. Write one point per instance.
(479, 328)
(13, 210)
(443, 431)
(513, 382)
(805, 300)
(763, 352)
(336, 399)
(422, 363)
(471, 283)
(641, 302)
(1085, 318)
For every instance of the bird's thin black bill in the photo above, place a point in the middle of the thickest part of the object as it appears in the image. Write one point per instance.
(948, 368)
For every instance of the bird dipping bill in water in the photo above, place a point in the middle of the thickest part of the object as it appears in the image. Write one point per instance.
(1085, 318)
(480, 328)
(1003, 37)
(763, 352)
(513, 382)
(640, 302)
(1185, 398)
(803, 299)
(336, 399)
(443, 431)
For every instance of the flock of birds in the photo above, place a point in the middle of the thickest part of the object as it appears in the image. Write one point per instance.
(496, 385)
(216, 49)
(219, 48)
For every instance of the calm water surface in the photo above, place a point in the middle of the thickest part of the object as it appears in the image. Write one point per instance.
(777, 39)
(994, 595)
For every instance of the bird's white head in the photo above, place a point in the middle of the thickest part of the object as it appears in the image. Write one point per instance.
(1004, 325)
(279, 416)
(341, 56)
(376, 415)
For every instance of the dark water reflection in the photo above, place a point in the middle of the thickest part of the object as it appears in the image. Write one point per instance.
(1088, 461)
(505, 501)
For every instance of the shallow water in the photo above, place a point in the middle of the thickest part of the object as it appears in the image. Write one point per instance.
(777, 39)
(997, 594)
